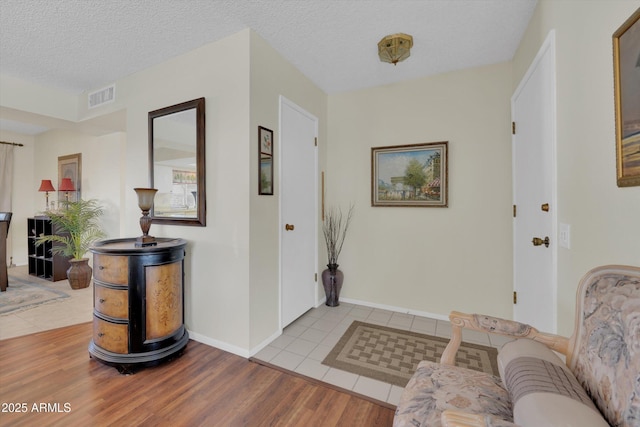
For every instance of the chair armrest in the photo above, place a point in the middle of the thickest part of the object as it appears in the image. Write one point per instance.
(494, 325)
(455, 418)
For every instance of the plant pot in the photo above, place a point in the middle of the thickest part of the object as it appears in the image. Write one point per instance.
(332, 279)
(79, 274)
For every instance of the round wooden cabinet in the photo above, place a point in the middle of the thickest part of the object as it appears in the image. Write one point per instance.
(138, 305)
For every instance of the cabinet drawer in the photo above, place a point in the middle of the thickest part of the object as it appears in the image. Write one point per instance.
(111, 302)
(111, 269)
(111, 336)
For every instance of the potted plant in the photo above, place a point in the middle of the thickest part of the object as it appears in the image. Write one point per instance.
(79, 224)
(335, 228)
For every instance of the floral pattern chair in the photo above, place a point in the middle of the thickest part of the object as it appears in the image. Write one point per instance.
(598, 383)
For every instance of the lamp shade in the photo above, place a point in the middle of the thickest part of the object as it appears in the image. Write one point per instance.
(67, 185)
(46, 185)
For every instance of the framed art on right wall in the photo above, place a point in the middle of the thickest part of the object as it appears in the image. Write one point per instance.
(626, 76)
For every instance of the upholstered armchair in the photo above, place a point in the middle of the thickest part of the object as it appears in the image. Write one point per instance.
(589, 379)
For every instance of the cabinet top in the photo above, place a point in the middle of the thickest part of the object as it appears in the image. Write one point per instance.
(127, 245)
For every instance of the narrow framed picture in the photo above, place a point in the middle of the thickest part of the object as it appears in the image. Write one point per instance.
(265, 136)
(626, 76)
(265, 163)
(70, 167)
(410, 175)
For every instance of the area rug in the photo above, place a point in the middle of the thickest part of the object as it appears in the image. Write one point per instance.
(22, 294)
(392, 355)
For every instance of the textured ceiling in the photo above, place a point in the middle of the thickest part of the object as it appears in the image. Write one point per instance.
(80, 45)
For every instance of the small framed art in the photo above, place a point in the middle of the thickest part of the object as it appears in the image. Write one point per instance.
(410, 175)
(265, 163)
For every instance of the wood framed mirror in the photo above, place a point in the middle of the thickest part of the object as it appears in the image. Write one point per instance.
(177, 163)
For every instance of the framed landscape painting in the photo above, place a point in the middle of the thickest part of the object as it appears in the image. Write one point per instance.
(410, 175)
(626, 75)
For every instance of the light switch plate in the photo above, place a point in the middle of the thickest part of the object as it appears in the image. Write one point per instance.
(564, 238)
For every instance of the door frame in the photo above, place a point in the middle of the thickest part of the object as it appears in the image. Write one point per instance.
(548, 47)
(282, 101)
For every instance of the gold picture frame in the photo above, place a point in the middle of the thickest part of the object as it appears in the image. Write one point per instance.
(413, 175)
(70, 167)
(626, 76)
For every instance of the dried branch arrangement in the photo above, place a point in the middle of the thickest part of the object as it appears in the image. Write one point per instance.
(335, 227)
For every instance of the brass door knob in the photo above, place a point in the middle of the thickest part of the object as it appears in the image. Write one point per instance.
(289, 227)
(538, 241)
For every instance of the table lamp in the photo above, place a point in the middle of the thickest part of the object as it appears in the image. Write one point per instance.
(145, 203)
(66, 185)
(46, 186)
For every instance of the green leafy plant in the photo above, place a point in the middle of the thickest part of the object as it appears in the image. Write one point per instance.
(335, 228)
(79, 223)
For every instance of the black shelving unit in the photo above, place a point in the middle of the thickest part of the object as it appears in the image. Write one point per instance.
(41, 262)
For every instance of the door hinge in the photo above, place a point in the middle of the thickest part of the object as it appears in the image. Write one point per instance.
(515, 297)
(514, 210)
(315, 141)
(315, 278)
(513, 128)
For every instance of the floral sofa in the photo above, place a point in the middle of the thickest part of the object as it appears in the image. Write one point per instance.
(598, 383)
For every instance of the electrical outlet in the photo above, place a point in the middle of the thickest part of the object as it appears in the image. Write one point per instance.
(564, 238)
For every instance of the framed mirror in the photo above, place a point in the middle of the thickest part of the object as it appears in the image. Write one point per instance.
(177, 163)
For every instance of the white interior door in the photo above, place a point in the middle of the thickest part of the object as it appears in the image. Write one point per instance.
(298, 210)
(534, 187)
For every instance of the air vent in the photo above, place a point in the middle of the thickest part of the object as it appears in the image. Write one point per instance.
(102, 96)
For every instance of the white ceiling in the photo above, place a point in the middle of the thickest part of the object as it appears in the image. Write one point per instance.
(81, 45)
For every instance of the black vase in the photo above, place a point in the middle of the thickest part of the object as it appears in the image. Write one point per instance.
(332, 279)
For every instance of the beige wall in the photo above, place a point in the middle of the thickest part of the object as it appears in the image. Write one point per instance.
(217, 256)
(271, 76)
(428, 260)
(38, 160)
(603, 218)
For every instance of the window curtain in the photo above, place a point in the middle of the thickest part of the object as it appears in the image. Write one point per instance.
(6, 176)
(6, 188)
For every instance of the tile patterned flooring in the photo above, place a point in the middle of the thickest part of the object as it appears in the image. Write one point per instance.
(306, 342)
(78, 308)
(301, 348)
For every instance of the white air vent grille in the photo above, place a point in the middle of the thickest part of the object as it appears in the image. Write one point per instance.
(102, 96)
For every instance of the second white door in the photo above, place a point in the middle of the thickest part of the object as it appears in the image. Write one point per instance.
(534, 194)
(298, 210)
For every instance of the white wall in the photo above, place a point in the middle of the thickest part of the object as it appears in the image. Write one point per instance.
(604, 218)
(428, 260)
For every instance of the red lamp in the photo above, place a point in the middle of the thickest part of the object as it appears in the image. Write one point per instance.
(66, 185)
(46, 186)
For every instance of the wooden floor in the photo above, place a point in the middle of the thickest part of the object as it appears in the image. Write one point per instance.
(52, 374)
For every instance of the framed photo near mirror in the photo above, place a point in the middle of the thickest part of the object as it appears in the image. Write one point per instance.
(265, 156)
(177, 163)
(626, 76)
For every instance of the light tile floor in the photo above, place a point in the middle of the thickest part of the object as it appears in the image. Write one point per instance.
(78, 308)
(307, 341)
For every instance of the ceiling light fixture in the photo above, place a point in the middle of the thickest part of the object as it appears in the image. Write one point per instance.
(395, 48)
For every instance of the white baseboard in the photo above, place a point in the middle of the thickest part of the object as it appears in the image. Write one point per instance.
(396, 309)
(219, 344)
